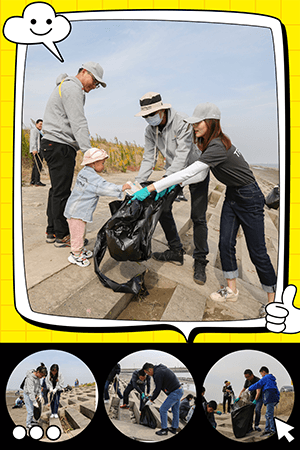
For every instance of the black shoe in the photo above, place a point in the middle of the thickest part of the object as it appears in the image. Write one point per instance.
(172, 430)
(173, 256)
(39, 183)
(162, 432)
(199, 271)
(50, 238)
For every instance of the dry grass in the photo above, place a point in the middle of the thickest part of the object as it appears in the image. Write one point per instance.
(122, 157)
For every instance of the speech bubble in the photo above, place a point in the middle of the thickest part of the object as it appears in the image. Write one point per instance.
(39, 24)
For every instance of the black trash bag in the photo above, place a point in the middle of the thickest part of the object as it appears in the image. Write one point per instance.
(272, 199)
(127, 235)
(147, 417)
(241, 419)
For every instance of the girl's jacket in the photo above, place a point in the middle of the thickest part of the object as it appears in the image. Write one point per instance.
(269, 389)
(84, 198)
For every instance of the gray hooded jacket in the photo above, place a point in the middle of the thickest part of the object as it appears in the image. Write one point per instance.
(32, 386)
(64, 119)
(175, 142)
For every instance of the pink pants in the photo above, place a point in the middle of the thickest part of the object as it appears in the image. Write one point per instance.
(77, 233)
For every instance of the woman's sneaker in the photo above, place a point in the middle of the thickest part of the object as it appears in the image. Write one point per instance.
(80, 260)
(225, 294)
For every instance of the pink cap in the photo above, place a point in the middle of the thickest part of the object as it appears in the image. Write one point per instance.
(93, 154)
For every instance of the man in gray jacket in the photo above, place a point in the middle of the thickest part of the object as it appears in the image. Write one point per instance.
(168, 133)
(65, 132)
(35, 148)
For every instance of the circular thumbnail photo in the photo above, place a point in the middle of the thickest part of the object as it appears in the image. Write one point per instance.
(246, 396)
(51, 396)
(149, 396)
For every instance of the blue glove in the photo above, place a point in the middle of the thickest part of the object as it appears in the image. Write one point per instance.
(143, 395)
(160, 194)
(140, 195)
(165, 191)
(236, 400)
(219, 413)
(254, 402)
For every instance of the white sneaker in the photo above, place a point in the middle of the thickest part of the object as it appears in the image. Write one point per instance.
(52, 416)
(87, 253)
(55, 416)
(225, 294)
(80, 260)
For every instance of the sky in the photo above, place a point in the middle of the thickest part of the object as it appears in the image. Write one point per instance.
(138, 359)
(232, 367)
(187, 63)
(70, 366)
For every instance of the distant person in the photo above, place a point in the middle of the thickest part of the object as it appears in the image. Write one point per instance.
(65, 132)
(35, 149)
(256, 396)
(32, 392)
(243, 205)
(165, 380)
(227, 396)
(141, 383)
(19, 402)
(83, 200)
(168, 133)
(76, 382)
(271, 396)
(55, 384)
(113, 377)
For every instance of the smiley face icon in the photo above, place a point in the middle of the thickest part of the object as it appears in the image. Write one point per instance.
(39, 24)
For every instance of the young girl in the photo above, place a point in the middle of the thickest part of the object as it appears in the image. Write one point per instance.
(32, 391)
(55, 383)
(83, 201)
(243, 205)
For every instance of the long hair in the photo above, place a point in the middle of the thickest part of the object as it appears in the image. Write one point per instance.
(213, 131)
(54, 377)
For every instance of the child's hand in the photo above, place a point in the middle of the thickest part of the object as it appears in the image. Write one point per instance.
(126, 186)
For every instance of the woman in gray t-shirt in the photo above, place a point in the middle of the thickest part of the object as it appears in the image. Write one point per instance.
(243, 205)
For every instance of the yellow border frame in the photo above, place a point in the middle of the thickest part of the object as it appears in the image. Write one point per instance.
(12, 327)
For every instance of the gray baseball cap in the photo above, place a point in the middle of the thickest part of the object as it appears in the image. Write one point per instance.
(96, 70)
(204, 111)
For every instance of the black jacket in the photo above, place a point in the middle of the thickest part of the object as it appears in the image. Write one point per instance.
(115, 371)
(136, 383)
(165, 380)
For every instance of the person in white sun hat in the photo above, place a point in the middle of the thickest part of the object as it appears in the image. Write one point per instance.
(168, 133)
(83, 201)
(243, 205)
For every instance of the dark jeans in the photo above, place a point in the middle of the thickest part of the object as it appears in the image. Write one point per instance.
(60, 159)
(199, 193)
(245, 206)
(126, 393)
(199, 200)
(54, 402)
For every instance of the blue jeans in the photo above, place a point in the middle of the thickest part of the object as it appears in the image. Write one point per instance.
(106, 393)
(29, 408)
(270, 424)
(54, 402)
(172, 401)
(244, 206)
(258, 407)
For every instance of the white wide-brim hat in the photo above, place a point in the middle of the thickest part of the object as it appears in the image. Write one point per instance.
(94, 154)
(204, 111)
(150, 103)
